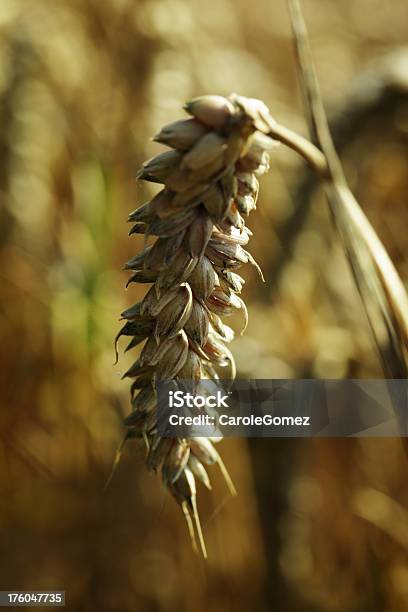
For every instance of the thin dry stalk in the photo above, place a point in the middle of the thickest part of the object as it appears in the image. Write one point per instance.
(381, 289)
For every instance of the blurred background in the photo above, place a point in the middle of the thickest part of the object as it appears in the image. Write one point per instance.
(319, 525)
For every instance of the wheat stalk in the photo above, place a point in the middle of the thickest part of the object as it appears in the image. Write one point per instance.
(209, 183)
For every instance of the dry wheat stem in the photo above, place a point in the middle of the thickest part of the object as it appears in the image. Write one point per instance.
(209, 181)
(377, 280)
(352, 223)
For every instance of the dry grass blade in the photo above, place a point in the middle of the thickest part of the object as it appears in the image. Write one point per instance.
(383, 294)
(116, 461)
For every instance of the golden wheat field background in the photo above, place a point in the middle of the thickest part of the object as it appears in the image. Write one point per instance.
(318, 525)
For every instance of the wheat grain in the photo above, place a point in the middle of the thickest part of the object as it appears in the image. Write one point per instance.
(209, 182)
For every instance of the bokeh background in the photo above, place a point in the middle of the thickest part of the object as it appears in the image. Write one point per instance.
(319, 525)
